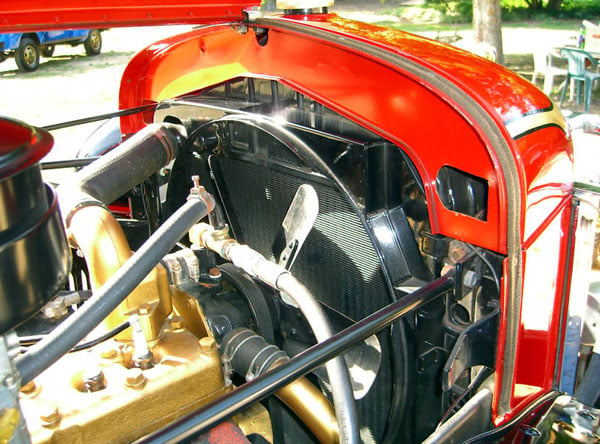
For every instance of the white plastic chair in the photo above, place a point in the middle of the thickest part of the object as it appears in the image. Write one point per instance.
(592, 37)
(542, 62)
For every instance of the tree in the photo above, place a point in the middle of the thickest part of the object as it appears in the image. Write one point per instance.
(538, 5)
(487, 24)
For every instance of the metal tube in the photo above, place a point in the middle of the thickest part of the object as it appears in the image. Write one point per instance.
(115, 290)
(341, 387)
(261, 387)
(250, 355)
(125, 112)
(279, 278)
(313, 408)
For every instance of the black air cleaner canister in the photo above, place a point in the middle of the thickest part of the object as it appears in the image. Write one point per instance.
(34, 256)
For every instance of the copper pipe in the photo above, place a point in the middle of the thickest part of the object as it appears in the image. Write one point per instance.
(95, 231)
(312, 407)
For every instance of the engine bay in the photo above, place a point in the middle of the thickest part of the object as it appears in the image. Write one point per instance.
(303, 207)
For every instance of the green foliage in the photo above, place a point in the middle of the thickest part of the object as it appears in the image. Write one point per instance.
(459, 11)
(513, 10)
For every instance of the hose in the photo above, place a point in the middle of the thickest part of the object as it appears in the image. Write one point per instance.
(114, 291)
(118, 171)
(341, 387)
(281, 279)
(250, 355)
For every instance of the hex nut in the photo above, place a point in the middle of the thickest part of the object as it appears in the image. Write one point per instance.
(135, 378)
(49, 415)
(29, 388)
(109, 353)
(177, 322)
(93, 379)
(207, 344)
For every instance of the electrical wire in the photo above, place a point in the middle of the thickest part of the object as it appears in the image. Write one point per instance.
(488, 263)
(26, 341)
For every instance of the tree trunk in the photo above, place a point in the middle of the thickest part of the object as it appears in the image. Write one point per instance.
(487, 24)
(554, 5)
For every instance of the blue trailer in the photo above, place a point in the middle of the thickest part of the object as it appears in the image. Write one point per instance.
(27, 47)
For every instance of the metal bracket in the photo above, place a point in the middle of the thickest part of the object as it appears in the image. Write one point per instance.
(476, 345)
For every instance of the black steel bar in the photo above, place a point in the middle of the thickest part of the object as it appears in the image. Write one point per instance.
(258, 389)
(124, 112)
(67, 163)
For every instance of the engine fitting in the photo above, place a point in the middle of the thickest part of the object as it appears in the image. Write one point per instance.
(96, 233)
(278, 277)
(248, 354)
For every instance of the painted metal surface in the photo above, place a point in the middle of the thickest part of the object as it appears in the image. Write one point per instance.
(405, 107)
(33, 15)
(425, 122)
(367, 91)
(396, 104)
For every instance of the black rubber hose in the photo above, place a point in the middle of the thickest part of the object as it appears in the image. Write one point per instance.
(249, 354)
(588, 391)
(121, 169)
(113, 292)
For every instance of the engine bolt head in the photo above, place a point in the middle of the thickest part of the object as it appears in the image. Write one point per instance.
(214, 273)
(109, 353)
(144, 362)
(470, 279)
(177, 322)
(135, 378)
(207, 344)
(93, 379)
(49, 415)
(29, 388)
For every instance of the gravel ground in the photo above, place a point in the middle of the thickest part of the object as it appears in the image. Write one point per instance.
(72, 85)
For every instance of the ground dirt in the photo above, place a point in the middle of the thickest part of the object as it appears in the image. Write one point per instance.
(72, 85)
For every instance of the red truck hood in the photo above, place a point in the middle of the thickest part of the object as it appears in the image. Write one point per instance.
(30, 15)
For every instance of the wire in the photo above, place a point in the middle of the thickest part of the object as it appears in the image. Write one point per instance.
(489, 265)
(30, 340)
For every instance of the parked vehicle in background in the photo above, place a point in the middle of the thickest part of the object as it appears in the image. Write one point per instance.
(28, 47)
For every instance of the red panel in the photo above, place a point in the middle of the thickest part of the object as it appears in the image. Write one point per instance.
(543, 285)
(35, 15)
(510, 95)
(548, 174)
(395, 104)
(422, 119)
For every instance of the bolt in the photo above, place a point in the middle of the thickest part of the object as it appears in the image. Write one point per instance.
(108, 353)
(207, 344)
(93, 379)
(177, 322)
(29, 388)
(214, 273)
(470, 279)
(145, 361)
(49, 415)
(135, 378)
